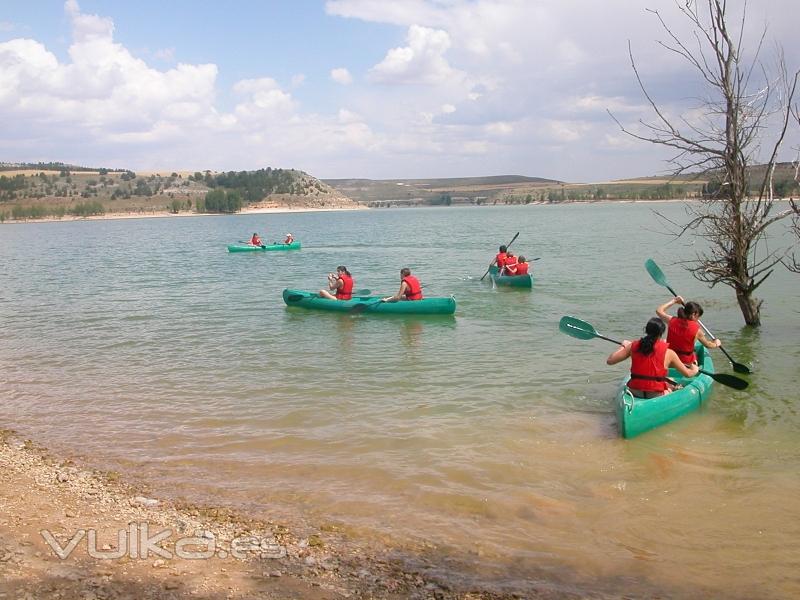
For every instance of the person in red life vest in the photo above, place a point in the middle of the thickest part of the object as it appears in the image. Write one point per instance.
(522, 266)
(650, 358)
(341, 283)
(289, 238)
(500, 259)
(510, 268)
(683, 330)
(255, 240)
(410, 288)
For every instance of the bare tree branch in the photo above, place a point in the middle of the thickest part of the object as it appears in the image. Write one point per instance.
(738, 114)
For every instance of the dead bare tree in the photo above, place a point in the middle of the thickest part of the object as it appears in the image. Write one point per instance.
(742, 101)
(793, 264)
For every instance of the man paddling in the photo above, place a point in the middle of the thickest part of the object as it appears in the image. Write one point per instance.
(289, 239)
(410, 288)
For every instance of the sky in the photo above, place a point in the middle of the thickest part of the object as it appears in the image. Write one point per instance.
(372, 89)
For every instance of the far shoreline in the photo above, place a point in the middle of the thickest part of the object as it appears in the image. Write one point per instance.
(289, 210)
(160, 214)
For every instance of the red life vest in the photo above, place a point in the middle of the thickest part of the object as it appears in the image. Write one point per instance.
(289, 239)
(414, 289)
(511, 264)
(346, 291)
(650, 366)
(681, 334)
(255, 241)
(500, 259)
(522, 268)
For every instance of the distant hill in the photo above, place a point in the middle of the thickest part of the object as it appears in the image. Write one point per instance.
(515, 189)
(41, 190)
(456, 190)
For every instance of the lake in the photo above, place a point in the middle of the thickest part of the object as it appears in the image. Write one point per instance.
(481, 445)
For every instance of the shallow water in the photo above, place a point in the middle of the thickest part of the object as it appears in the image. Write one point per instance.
(144, 345)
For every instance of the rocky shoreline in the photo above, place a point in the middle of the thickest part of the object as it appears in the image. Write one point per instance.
(116, 542)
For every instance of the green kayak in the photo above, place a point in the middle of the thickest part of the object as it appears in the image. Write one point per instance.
(268, 247)
(522, 281)
(371, 304)
(637, 415)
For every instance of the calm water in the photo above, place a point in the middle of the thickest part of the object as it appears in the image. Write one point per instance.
(143, 345)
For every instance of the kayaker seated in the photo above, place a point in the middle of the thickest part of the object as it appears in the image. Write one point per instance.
(684, 330)
(410, 288)
(341, 283)
(255, 240)
(651, 358)
(500, 259)
(289, 238)
(522, 266)
(510, 266)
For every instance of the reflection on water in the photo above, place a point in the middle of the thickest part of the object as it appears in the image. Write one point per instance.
(488, 434)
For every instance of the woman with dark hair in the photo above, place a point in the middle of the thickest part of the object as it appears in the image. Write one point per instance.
(340, 282)
(683, 330)
(410, 288)
(650, 358)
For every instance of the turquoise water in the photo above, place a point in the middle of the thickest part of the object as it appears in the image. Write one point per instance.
(143, 345)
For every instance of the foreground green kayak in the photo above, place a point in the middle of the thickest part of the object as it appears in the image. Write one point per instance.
(637, 415)
(523, 281)
(250, 248)
(371, 304)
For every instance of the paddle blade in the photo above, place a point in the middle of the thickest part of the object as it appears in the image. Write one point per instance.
(576, 328)
(656, 273)
(740, 368)
(362, 306)
(730, 380)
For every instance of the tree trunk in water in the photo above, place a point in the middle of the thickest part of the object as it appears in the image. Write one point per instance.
(751, 307)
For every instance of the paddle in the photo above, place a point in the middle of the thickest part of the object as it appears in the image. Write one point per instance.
(362, 306)
(298, 297)
(658, 276)
(584, 331)
(491, 263)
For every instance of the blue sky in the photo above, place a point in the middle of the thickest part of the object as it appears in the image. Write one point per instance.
(347, 88)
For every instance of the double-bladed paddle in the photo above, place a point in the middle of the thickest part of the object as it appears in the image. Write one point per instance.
(658, 276)
(362, 306)
(491, 263)
(584, 331)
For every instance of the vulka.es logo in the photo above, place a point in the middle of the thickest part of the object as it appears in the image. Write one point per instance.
(136, 542)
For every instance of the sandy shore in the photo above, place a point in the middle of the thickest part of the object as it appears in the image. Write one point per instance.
(47, 504)
(70, 532)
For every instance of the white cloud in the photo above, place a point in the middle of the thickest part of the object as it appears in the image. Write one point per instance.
(346, 116)
(6, 26)
(265, 99)
(499, 128)
(421, 61)
(298, 80)
(448, 108)
(342, 76)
